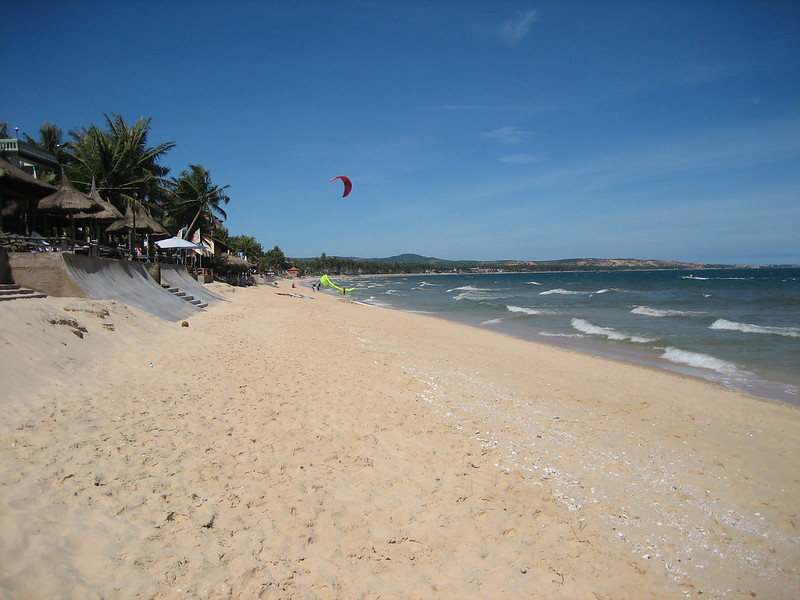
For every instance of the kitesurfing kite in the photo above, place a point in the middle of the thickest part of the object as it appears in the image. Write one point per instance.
(327, 282)
(348, 185)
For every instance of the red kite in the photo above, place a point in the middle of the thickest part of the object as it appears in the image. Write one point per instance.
(348, 185)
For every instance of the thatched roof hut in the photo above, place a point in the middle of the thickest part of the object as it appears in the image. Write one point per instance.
(108, 213)
(16, 183)
(67, 200)
(142, 222)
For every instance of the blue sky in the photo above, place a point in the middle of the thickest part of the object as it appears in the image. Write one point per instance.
(471, 130)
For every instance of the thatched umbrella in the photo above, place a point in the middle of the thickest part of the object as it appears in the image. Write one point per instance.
(68, 201)
(139, 221)
(234, 263)
(108, 214)
(18, 190)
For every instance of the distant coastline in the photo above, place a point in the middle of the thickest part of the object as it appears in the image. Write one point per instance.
(418, 264)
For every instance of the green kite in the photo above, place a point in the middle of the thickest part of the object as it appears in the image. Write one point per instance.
(324, 280)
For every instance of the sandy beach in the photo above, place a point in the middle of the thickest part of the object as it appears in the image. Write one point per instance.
(285, 447)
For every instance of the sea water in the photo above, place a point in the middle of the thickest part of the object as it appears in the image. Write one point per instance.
(738, 327)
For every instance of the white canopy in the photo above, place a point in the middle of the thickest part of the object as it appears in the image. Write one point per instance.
(176, 242)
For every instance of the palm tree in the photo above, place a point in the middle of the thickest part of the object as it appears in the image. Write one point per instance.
(247, 245)
(194, 197)
(50, 140)
(120, 161)
(276, 260)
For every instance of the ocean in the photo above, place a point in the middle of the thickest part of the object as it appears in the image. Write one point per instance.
(737, 327)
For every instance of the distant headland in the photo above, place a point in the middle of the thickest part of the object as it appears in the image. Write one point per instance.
(416, 263)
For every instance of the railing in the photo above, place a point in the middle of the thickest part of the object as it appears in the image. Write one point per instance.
(25, 150)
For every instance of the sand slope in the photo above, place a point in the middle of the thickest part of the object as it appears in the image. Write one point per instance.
(284, 447)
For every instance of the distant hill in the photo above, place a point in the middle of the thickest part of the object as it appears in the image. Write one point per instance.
(559, 265)
(416, 259)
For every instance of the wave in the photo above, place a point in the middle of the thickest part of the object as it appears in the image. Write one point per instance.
(492, 322)
(533, 283)
(468, 288)
(726, 325)
(657, 312)
(565, 335)
(525, 311)
(702, 361)
(588, 328)
(718, 278)
(563, 292)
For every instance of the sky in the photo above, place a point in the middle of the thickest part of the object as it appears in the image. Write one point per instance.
(472, 130)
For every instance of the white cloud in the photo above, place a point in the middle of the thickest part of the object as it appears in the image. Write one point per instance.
(514, 31)
(507, 135)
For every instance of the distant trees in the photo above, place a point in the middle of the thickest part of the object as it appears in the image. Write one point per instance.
(275, 260)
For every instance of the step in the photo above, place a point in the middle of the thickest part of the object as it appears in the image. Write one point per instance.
(14, 292)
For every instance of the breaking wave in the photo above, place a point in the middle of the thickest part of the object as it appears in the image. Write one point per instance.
(524, 311)
(702, 361)
(588, 328)
(657, 312)
(563, 292)
(726, 325)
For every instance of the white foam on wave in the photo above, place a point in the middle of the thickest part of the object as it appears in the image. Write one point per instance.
(524, 310)
(699, 360)
(469, 292)
(658, 312)
(588, 328)
(724, 324)
(492, 322)
(533, 283)
(565, 335)
(562, 292)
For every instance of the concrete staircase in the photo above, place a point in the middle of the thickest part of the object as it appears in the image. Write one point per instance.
(11, 291)
(184, 296)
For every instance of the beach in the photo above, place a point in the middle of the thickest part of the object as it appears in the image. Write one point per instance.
(313, 447)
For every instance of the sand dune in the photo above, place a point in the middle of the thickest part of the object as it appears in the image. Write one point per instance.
(284, 447)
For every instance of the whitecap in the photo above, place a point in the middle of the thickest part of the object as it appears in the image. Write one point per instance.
(566, 335)
(724, 324)
(524, 310)
(588, 328)
(492, 322)
(657, 312)
(702, 361)
(562, 291)
(467, 288)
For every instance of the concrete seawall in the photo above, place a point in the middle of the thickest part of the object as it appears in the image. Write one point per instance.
(74, 275)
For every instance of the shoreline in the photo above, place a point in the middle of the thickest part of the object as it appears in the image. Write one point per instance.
(295, 447)
(770, 390)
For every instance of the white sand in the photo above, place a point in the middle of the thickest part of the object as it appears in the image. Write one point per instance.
(282, 447)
